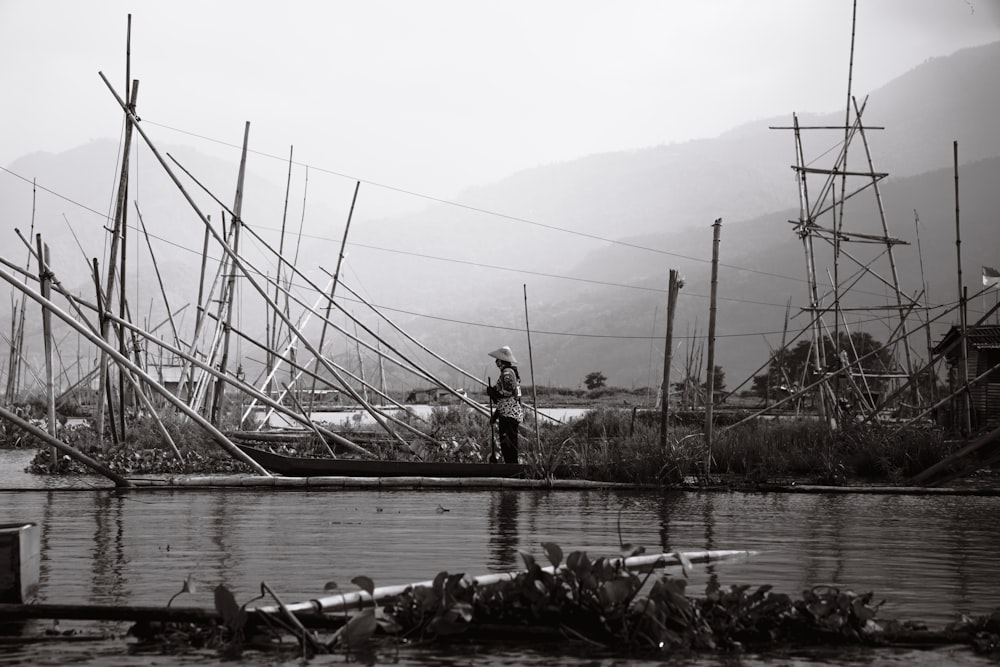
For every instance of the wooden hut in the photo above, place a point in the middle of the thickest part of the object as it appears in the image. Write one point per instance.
(984, 354)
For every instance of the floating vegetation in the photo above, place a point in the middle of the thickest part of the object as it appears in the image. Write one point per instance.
(579, 601)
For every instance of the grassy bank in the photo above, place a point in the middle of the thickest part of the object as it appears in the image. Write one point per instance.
(607, 444)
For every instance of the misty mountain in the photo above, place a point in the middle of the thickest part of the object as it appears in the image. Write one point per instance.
(559, 233)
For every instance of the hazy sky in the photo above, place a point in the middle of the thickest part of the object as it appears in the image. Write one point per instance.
(433, 96)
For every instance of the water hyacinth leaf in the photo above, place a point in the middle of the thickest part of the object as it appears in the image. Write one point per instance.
(861, 610)
(579, 563)
(615, 592)
(364, 583)
(529, 560)
(553, 553)
(232, 615)
(330, 586)
(439, 582)
(453, 582)
(360, 628)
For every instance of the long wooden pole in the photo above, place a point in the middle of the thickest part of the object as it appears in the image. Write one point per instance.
(710, 392)
(333, 284)
(531, 368)
(45, 282)
(668, 353)
(237, 223)
(159, 278)
(963, 370)
(274, 334)
(346, 601)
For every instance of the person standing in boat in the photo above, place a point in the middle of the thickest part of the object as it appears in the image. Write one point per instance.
(506, 394)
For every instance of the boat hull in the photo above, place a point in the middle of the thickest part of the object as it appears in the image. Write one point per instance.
(20, 557)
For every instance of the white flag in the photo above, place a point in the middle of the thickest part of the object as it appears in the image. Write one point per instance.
(991, 277)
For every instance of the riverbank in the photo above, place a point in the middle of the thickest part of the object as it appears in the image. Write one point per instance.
(609, 445)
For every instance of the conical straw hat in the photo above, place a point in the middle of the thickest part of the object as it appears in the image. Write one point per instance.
(504, 354)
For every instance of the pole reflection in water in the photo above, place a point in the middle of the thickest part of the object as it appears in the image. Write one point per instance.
(108, 582)
(503, 540)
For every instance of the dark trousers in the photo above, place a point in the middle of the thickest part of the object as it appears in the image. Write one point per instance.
(508, 439)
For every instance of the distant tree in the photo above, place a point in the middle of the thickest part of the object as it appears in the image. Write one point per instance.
(719, 389)
(594, 380)
(796, 368)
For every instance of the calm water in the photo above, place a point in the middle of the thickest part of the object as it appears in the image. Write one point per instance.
(930, 558)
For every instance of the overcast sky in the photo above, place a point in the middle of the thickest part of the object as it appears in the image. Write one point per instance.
(434, 96)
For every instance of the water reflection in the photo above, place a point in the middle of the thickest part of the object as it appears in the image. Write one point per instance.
(107, 582)
(504, 539)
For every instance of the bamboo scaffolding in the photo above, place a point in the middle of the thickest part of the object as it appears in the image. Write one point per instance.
(128, 363)
(892, 259)
(940, 355)
(462, 397)
(304, 370)
(843, 369)
(234, 258)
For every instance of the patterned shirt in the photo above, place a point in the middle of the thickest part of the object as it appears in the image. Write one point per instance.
(509, 404)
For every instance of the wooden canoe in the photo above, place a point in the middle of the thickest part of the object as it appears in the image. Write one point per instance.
(294, 466)
(20, 557)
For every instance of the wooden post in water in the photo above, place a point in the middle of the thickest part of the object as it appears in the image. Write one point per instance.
(45, 282)
(672, 290)
(710, 391)
(966, 417)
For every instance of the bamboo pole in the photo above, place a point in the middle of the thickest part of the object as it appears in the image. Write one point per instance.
(710, 399)
(281, 253)
(159, 278)
(104, 393)
(531, 368)
(892, 260)
(336, 278)
(668, 353)
(128, 363)
(966, 408)
(236, 222)
(342, 602)
(805, 232)
(46, 286)
(119, 221)
(932, 376)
